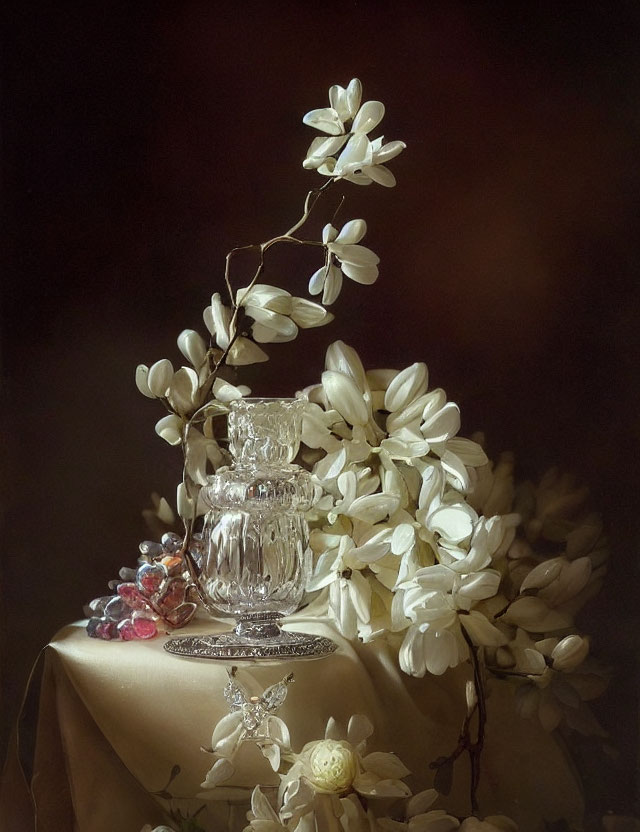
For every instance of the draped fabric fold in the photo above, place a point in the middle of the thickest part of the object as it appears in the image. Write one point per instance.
(116, 717)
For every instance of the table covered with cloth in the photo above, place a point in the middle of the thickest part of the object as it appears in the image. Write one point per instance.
(116, 717)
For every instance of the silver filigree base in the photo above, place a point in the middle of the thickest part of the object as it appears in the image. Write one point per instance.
(285, 645)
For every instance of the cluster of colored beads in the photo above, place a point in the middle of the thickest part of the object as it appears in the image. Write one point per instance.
(157, 592)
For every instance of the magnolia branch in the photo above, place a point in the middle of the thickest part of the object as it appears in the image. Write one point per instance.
(473, 747)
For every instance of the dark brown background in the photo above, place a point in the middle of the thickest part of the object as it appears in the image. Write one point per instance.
(143, 140)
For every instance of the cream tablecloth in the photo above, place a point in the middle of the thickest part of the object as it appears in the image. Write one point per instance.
(115, 717)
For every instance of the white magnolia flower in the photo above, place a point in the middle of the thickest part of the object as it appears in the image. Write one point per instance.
(218, 319)
(348, 124)
(277, 314)
(560, 679)
(344, 257)
(338, 764)
(262, 817)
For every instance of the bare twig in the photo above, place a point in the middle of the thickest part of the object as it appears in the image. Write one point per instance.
(466, 743)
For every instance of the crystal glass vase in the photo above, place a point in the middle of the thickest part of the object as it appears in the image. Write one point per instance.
(256, 556)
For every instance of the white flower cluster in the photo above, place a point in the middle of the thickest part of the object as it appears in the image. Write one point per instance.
(418, 535)
(335, 785)
(348, 152)
(260, 313)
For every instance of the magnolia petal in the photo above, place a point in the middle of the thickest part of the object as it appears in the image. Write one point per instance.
(409, 384)
(441, 650)
(480, 585)
(471, 453)
(264, 294)
(358, 178)
(271, 750)
(220, 319)
(184, 503)
(403, 538)
(570, 652)
(372, 551)
(534, 615)
(360, 594)
(345, 397)
(482, 631)
(159, 377)
(387, 766)
(542, 575)
(388, 151)
(245, 352)
(192, 345)
(352, 232)
(534, 662)
(456, 472)
(142, 383)
(371, 787)
(325, 571)
(261, 807)
(331, 466)
(183, 390)
(321, 147)
(379, 380)
(365, 275)
(207, 317)
(383, 176)
(327, 168)
(443, 425)
(453, 522)
(356, 155)
(435, 578)
(224, 391)
(227, 735)
(354, 96)
(317, 280)
(169, 428)
(359, 729)
(279, 325)
(420, 802)
(338, 100)
(344, 359)
(307, 314)
(324, 119)
(343, 609)
(373, 508)
(222, 770)
(411, 656)
(368, 117)
(355, 254)
(408, 414)
(332, 285)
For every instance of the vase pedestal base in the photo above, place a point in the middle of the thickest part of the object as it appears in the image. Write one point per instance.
(284, 645)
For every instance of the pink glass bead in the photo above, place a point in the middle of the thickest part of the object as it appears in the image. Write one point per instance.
(126, 630)
(144, 627)
(150, 577)
(131, 595)
(106, 630)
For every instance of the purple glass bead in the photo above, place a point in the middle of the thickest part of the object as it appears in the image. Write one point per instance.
(150, 577)
(116, 608)
(126, 630)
